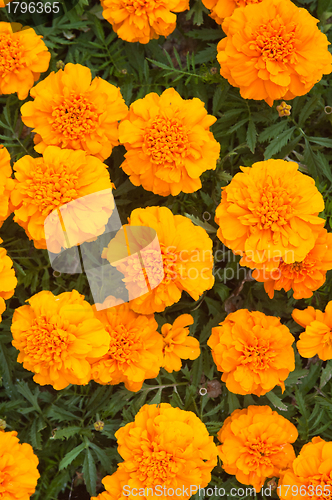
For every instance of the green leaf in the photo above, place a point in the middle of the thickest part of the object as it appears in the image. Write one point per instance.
(71, 455)
(208, 228)
(276, 401)
(157, 398)
(251, 135)
(310, 160)
(308, 108)
(90, 473)
(24, 389)
(322, 141)
(233, 402)
(326, 374)
(278, 142)
(272, 131)
(205, 34)
(221, 290)
(67, 432)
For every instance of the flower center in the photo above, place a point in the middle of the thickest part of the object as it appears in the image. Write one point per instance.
(50, 187)
(152, 270)
(258, 453)
(243, 3)
(258, 355)
(275, 41)
(11, 54)
(137, 6)
(166, 141)
(274, 207)
(299, 269)
(47, 340)
(75, 117)
(124, 343)
(155, 467)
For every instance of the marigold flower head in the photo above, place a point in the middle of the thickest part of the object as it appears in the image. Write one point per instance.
(142, 20)
(225, 8)
(269, 211)
(256, 444)
(273, 50)
(56, 335)
(253, 350)
(18, 468)
(8, 280)
(284, 109)
(46, 184)
(168, 143)
(303, 277)
(187, 260)
(23, 56)
(166, 446)
(317, 337)
(6, 184)
(71, 111)
(310, 474)
(177, 343)
(135, 348)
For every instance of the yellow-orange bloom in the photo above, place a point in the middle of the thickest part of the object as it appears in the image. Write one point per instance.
(60, 176)
(8, 279)
(55, 335)
(23, 56)
(187, 260)
(273, 50)
(303, 277)
(269, 211)
(166, 446)
(135, 348)
(225, 8)
(317, 337)
(177, 343)
(142, 21)
(18, 468)
(168, 143)
(253, 350)
(71, 111)
(310, 475)
(6, 184)
(256, 444)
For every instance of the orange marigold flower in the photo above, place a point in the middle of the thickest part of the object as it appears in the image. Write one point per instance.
(55, 335)
(18, 468)
(114, 486)
(187, 260)
(177, 343)
(225, 8)
(168, 143)
(317, 337)
(135, 348)
(253, 350)
(310, 474)
(6, 184)
(71, 111)
(269, 211)
(256, 444)
(273, 50)
(23, 56)
(142, 20)
(8, 280)
(45, 184)
(303, 277)
(166, 446)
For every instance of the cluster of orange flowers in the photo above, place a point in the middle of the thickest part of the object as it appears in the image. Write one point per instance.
(268, 214)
